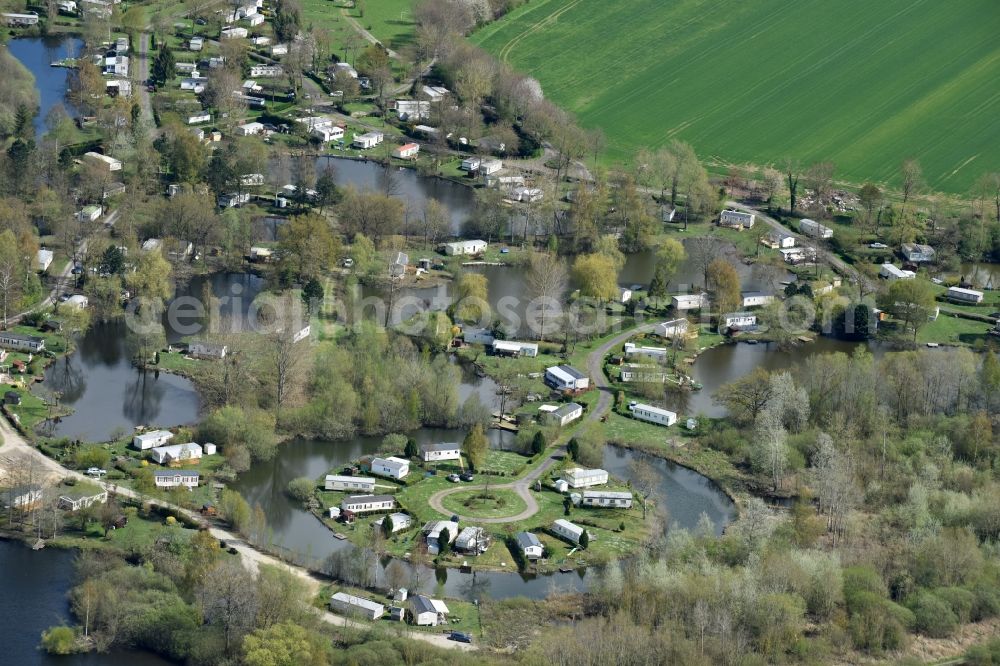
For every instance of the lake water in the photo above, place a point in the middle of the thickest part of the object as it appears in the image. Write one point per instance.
(407, 185)
(33, 597)
(110, 396)
(37, 54)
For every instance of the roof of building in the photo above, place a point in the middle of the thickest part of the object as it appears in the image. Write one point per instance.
(361, 602)
(567, 370)
(527, 539)
(568, 526)
(730, 315)
(511, 345)
(368, 499)
(21, 336)
(154, 434)
(567, 409)
(676, 322)
(579, 472)
(754, 294)
(175, 449)
(175, 472)
(356, 479)
(441, 446)
(656, 410)
(610, 494)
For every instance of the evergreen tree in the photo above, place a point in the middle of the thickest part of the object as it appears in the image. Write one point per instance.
(387, 526)
(573, 449)
(538, 443)
(444, 541)
(411, 450)
(584, 540)
(164, 66)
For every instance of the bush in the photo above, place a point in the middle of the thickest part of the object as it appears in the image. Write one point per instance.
(961, 601)
(301, 489)
(92, 456)
(933, 616)
(59, 640)
(876, 623)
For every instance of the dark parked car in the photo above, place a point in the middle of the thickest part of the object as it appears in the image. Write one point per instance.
(460, 636)
(466, 477)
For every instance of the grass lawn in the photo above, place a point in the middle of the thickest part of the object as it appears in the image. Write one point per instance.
(950, 329)
(32, 409)
(480, 504)
(755, 82)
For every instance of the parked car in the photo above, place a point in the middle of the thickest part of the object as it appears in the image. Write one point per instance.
(466, 477)
(460, 636)
(454, 478)
(878, 246)
(96, 471)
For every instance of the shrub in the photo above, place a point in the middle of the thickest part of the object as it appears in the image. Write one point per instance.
(59, 640)
(301, 489)
(876, 623)
(961, 601)
(933, 616)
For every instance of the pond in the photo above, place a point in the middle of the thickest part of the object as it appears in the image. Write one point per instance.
(406, 184)
(109, 396)
(38, 54)
(35, 599)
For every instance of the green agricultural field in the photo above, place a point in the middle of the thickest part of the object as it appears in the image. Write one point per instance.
(863, 84)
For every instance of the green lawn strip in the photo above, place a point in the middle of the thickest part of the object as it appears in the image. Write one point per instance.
(954, 330)
(32, 409)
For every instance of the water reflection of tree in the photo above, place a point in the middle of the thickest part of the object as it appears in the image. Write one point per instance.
(68, 378)
(143, 397)
(476, 587)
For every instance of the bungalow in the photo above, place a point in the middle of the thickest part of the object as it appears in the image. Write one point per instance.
(917, 253)
(198, 133)
(260, 41)
(77, 499)
(340, 66)
(892, 273)
(196, 43)
(207, 350)
(624, 294)
(432, 534)
(195, 84)
(406, 151)
(367, 503)
(400, 521)
(199, 118)
(435, 93)
(577, 477)
(472, 540)
(328, 133)
(250, 129)
(362, 483)
(121, 45)
(652, 414)
(440, 451)
(465, 247)
(667, 214)
(151, 244)
(735, 219)
(526, 194)
(675, 328)
(632, 349)
(529, 545)
(349, 604)
(513, 348)
(569, 531)
(103, 161)
(90, 213)
(175, 478)
(77, 302)
(116, 65)
(367, 140)
(67, 7)
(43, 259)
(21, 342)
(233, 199)
(778, 240)
(565, 414)
(754, 299)
(685, 302)
(566, 378)
(489, 166)
(963, 295)
(814, 229)
(392, 467)
(20, 20)
(234, 32)
(504, 182)
(176, 453)
(266, 71)
(797, 255)
(151, 439)
(426, 130)
(411, 109)
(118, 88)
(477, 336)
(470, 164)
(22, 497)
(606, 499)
(737, 321)
(427, 612)
(254, 20)
(186, 67)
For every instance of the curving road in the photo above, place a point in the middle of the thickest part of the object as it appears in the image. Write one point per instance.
(595, 369)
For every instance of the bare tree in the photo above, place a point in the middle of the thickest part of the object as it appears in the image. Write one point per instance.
(228, 598)
(703, 250)
(644, 480)
(546, 279)
(792, 182)
(912, 179)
